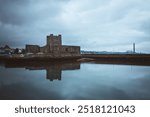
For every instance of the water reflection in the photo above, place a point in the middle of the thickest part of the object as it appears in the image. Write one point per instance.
(30, 80)
(53, 70)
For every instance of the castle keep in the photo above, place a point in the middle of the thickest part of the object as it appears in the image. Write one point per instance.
(53, 48)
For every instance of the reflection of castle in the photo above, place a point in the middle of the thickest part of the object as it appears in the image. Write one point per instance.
(53, 70)
(53, 48)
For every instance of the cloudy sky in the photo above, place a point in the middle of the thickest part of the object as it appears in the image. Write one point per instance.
(103, 25)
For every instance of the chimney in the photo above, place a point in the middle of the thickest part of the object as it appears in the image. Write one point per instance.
(133, 47)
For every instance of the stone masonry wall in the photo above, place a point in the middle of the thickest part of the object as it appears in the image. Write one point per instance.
(53, 48)
(70, 49)
(32, 48)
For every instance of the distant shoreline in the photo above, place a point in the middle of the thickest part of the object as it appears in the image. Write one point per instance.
(130, 59)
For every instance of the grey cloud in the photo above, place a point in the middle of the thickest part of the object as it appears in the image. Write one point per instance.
(27, 21)
(95, 25)
(27, 11)
(10, 11)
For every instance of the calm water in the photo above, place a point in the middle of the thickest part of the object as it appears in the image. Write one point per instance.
(74, 81)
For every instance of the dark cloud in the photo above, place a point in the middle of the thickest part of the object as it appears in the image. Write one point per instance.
(11, 11)
(28, 21)
(18, 12)
(95, 25)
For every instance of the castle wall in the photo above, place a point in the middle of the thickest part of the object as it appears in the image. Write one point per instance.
(45, 49)
(32, 48)
(53, 48)
(70, 49)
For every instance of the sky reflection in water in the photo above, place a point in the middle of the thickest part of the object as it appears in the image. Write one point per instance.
(75, 81)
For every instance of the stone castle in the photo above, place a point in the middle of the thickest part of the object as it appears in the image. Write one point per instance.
(53, 48)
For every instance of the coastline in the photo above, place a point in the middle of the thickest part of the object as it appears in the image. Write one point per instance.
(127, 59)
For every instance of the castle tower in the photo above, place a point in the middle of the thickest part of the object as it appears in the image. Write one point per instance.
(54, 40)
(54, 44)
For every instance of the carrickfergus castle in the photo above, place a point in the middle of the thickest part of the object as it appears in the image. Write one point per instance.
(53, 48)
